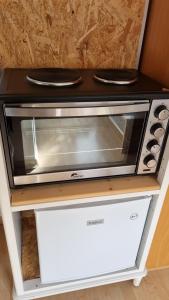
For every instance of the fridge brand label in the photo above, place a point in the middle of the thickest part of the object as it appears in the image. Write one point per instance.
(134, 216)
(95, 222)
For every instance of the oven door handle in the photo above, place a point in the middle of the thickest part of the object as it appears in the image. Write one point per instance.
(75, 111)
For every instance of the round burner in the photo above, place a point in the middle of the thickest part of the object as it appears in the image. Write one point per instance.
(54, 77)
(117, 76)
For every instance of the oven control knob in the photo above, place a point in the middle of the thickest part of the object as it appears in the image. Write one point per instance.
(162, 113)
(157, 130)
(153, 146)
(150, 161)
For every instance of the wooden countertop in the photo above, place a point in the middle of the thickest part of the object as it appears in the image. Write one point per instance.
(82, 189)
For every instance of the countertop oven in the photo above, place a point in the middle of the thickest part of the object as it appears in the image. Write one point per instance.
(67, 141)
(67, 124)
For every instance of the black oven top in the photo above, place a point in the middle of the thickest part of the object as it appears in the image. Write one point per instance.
(57, 85)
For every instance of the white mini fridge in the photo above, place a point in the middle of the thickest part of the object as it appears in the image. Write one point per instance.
(82, 241)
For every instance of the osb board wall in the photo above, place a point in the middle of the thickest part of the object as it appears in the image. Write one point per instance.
(70, 33)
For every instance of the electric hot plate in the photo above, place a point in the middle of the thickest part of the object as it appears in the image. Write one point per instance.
(54, 77)
(116, 76)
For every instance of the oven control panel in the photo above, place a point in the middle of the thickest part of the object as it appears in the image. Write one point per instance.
(157, 125)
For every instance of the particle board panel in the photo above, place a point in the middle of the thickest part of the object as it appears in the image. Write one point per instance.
(70, 33)
(30, 259)
(82, 189)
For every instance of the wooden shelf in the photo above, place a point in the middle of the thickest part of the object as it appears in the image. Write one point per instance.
(82, 189)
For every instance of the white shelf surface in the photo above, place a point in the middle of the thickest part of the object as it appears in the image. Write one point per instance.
(34, 288)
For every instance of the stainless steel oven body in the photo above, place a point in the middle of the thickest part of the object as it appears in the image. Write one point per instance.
(66, 141)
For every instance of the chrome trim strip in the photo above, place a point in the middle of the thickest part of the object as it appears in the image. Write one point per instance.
(54, 84)
(117, 82)
(74, 112)
(72, 175)
(78, 104)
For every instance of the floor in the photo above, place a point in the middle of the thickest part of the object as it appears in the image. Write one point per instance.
(154, 287)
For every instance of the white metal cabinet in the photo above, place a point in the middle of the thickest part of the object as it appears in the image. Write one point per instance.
(78, 242)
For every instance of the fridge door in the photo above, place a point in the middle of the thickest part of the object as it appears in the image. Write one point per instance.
(77, 242)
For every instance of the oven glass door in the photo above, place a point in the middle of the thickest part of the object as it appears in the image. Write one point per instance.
(75, 146)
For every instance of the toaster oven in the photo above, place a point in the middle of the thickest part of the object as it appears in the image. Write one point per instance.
(50, 142)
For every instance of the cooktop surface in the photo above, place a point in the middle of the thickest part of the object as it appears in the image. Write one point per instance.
(40, 85)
